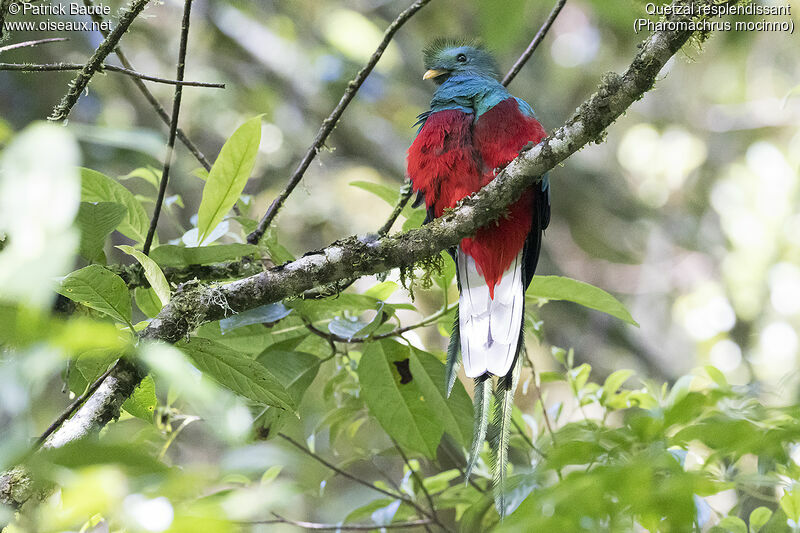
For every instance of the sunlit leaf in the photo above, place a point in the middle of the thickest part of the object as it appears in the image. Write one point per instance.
(228, 175)
(152, 272)
(97, 187)
(99, 288)
(759, 517)
(143, 401)
(790, 503)
(560, 288)
(382, 291)
(96, 222)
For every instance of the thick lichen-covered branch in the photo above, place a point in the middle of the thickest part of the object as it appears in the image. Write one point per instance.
(359, 256)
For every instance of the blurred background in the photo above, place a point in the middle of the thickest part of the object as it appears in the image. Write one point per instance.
(688, 212)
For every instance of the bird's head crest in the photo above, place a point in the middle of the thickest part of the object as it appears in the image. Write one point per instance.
(445, 57)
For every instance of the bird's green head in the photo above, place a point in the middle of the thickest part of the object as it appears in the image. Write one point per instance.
(447, 57)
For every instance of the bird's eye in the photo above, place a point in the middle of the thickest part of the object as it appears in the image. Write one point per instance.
(461, 58)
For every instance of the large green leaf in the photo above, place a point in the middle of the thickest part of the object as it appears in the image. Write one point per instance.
(404, 390)
(560, 288)
(240, 373)
(97, 187)
(296, 370)
(97, 287)
(151, 271)
(170, 255)
(96, 222)
(229, 175)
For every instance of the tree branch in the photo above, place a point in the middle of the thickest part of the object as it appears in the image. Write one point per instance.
(149, 96)
(61, 67)
(314, 526)
(537, 39)
(351, 257)
(329, 123)
(79, 83)
(173, 128)
(28, 44)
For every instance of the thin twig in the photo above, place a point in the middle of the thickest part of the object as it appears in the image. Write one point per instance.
(79, 83)
(28, 44)
(342, 472)
(60, 67)
(150, 97)
(397, 496)
(541, 398)
(427, 321)
(329, 123)
(405, 194)
(336, 527)
(537, 39)
(418, 479)
(176, 108)
(71, 408)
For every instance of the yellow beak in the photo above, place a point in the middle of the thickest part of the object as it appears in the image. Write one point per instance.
(433, 73)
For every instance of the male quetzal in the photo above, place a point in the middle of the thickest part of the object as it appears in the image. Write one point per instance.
(473, 129)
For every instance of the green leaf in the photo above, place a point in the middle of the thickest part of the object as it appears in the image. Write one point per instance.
(733, 524)
(277, 252)
(143, 401)
(717, 376)
(147, 301)
(149, 174)
(99, 288)
(228, 175)
(271, 474)
(547, 288)
(351, 328)
(237, 372)
(264, 314)
(97, 187)
(404, 389)
(615, 381)
(96, 222)
(170, 255)
(759, 517)
(790, 503)
(382, 291)
(296, 370)
(151, 271)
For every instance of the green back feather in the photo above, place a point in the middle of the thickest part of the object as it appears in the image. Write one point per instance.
(453, 349)
(483, 398)
(499, 433)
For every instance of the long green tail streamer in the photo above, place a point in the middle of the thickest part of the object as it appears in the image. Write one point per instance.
(499, 433)
(483, 397)
(453, 349)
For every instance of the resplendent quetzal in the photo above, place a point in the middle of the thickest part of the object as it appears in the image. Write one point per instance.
(473, 129)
